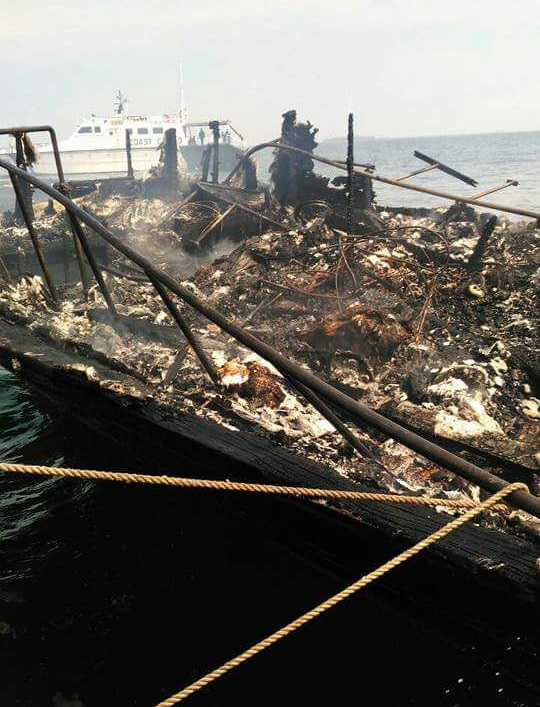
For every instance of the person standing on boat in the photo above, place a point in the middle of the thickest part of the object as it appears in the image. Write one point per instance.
(201, 136)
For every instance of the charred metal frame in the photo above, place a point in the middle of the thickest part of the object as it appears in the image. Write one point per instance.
(79, 239)
(353, 409)
(385, 180)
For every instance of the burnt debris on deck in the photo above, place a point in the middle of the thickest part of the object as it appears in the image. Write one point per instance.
(422, 319)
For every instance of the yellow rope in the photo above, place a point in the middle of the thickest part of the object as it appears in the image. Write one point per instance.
(214, 485)
(344, 594)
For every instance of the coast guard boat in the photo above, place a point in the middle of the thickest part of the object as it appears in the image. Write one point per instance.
(98, 144)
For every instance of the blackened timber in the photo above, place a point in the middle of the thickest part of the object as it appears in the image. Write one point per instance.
(475, 261)
(203, 235)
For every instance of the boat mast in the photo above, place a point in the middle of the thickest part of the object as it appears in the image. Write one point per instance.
(120, 104)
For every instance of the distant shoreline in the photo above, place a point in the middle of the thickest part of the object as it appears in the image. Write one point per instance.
(424, 137)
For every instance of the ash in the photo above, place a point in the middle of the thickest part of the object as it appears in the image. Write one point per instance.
(406, 315)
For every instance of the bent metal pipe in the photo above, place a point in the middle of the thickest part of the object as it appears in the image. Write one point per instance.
(461, 467)
(385, 180)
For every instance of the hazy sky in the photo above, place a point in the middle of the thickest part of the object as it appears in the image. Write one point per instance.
(404, 67)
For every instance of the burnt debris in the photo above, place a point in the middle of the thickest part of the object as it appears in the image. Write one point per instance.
(425, 317)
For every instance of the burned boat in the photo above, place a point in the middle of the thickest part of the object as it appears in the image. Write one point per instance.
(416, 331)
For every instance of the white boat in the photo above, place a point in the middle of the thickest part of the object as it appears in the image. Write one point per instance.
(98, 143)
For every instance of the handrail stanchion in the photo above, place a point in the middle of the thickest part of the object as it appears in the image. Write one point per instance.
(83, 240)
(33, 236)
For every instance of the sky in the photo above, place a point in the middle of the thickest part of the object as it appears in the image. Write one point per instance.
(403, 67)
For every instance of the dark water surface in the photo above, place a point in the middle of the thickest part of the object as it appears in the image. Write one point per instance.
(117, 595)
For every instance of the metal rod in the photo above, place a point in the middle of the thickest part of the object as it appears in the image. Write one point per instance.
(508, 183)
(214, 127)
(327, 412)
(5, 269)
(329, 393)
(385, 180)
(83, 240)
(128, 155)
(210, 227)
(176, 208)
(186, 329)
(445, 168)
(242, 207)
(417, 171)
(78, 249)
(33, 236)
(350, 172)
(25, 190)
(63, 188)
(118, 273)
(357, 164)
(41, 129)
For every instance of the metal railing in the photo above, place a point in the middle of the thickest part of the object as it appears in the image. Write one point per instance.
(396, 182)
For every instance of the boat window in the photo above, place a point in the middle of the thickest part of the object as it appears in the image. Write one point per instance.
(97, 129)
(142, 131)
(157, 131)
(85, 129)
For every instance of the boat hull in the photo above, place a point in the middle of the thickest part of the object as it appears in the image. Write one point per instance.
(114, 162)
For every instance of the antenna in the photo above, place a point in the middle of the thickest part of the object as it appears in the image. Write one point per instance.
(182, 111)
(121, 104)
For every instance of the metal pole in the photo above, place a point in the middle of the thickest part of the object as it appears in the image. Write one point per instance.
(327, 412)
(508, 183)
(417, 171)
(332, 395)
(350, 173)
(186, 329)
(83, 240)
(25, 190)
(214, 127)
(198, 240)
(78, 251)
(128, 156)
(33, 236)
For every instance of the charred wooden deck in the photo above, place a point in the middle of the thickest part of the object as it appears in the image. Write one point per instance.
(123, 411)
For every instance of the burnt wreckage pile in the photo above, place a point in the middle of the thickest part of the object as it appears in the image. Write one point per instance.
(426, 317)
